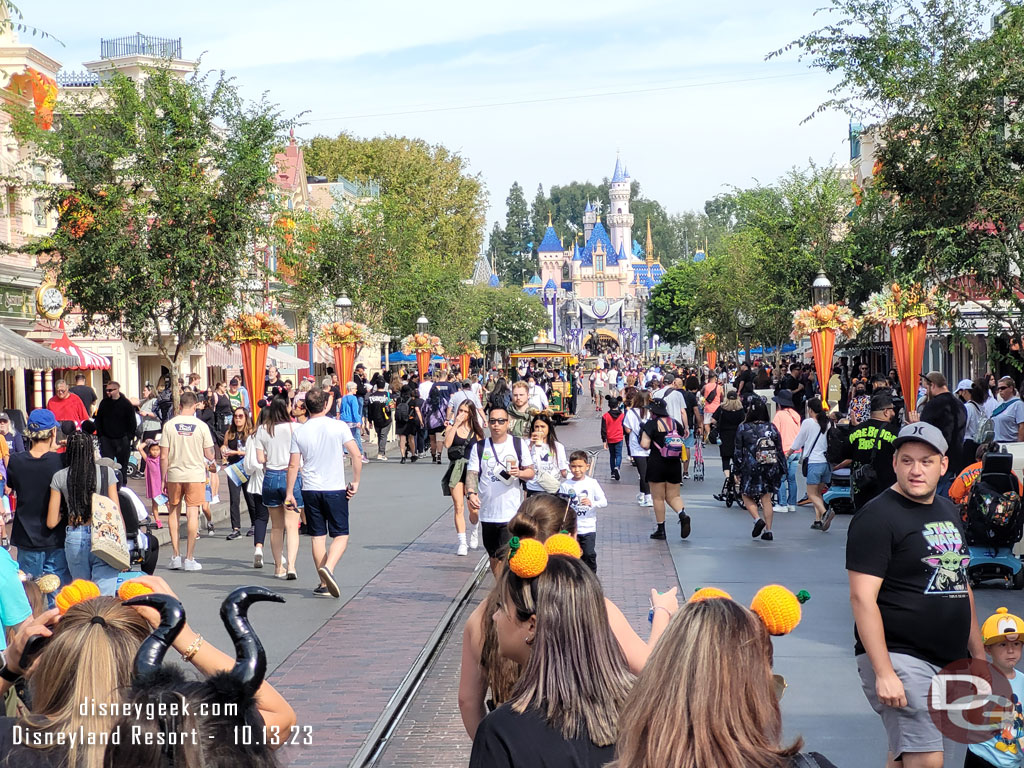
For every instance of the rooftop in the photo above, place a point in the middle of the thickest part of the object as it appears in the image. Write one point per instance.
(140, 45)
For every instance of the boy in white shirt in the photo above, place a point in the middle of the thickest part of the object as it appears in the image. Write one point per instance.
(585, 498)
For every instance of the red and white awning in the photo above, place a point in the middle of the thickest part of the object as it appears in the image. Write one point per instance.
(88, 361)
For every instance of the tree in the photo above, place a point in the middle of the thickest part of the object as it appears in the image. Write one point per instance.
(166, 192)
(540, 209)
(512, 318)
(515, 259)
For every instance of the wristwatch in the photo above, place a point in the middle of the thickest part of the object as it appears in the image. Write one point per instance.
(8, 675)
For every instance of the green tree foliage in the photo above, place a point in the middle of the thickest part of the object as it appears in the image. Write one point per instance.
(443, 203)
(511, 317)
(166, 193)
(515, 260)
(539, 211)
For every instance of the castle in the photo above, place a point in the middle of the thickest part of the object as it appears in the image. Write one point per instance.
(597, 294)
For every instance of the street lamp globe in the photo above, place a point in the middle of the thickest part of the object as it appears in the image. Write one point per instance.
(821, 289)
(422, 323)
(484, 337)
(343, 302)
(744, 319)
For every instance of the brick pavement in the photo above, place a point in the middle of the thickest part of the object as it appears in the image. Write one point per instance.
(629, 565)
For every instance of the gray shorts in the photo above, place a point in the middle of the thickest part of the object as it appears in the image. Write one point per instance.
(910, 728)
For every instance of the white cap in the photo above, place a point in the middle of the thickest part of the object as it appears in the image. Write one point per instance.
(964, 384)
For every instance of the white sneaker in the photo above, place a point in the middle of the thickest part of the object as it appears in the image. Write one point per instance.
(640, 498)
(648, 501)
(215, 499)
(778, 508)
(463, 550)
(192, 565)
(175, 564)
(257, 558)
(474, 537)
(791, 508)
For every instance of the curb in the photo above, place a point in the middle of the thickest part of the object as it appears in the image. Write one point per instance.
(221, 514)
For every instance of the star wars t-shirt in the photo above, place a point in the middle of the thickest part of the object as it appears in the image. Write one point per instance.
(919, 552)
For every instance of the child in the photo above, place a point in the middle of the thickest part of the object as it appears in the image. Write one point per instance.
(154, 480)
(585, 498)
(1003, 634)
(612, 435)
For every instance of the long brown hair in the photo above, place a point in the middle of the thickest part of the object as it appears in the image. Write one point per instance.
(706, 696)
(474, 418)
(232, 431)
(577, 677)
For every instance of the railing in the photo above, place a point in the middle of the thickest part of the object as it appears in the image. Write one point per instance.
(77, 79)
(356, 189)
(140, 45)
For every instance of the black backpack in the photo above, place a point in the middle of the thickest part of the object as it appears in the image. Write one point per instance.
(404, 410)
(993, 515)
(164, 405)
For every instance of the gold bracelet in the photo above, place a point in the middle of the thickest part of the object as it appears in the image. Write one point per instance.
(193, 649)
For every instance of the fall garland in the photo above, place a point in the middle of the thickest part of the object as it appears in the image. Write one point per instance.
(820, 317)
(422, 342)
(258, 327)
(348, 332)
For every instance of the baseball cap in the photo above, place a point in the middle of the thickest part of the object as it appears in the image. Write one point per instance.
(963, 384)
(41, 420)
(4, 416)
(936, 378)
(1002, 625)
(922, 432)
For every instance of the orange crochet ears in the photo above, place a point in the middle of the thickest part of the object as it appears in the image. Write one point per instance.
(775, 605)
(131, 589)
(528, 558)
(78, 591)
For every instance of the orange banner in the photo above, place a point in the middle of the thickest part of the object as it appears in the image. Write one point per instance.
(823, 345)
(464, 365)
(908, 354)
(712, 358)
(254, 369)
(344, 361)
(422, 362)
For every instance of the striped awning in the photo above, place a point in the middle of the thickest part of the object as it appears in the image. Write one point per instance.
(87, 361)
(219, 356)
(18, 352)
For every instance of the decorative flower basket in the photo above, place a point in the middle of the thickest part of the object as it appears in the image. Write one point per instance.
(347, 332)
(825, 317)
(911, 305)
(422, 342)
(470, 348)
(255, 327)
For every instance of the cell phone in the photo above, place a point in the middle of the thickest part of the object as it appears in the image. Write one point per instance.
(161, 499)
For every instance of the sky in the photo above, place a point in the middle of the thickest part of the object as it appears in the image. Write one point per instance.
(534, 92)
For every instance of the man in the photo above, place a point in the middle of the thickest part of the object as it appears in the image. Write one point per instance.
(675, 402)
(537, 398)
(493, 471)
(787, 421)
(272, 380)
(85, 393)
(115, 425)
(869, 451)
(378, 411)
(464, 394)
(359, 378)
(913, 608)
(794, 382)
(238, 396)
(519, 410)
(66, 406)
(944, 411)
(15, 443)
(1008, 415)
(319, 448)
(186, 453)
(744, 382)
(862, 375)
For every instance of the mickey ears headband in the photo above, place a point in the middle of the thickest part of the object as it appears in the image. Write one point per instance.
(775, 605)
(527, 558)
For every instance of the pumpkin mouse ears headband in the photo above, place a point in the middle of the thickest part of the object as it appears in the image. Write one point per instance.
(527, 558)
(777, 607)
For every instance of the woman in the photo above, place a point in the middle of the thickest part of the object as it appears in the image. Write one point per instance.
(707, 697)
(981, 396)
(71, 491)
(458, 441)
(972, 395)
(273, 451)
(761, 463)
(632, 425)
(712, 394)
(233, 451)
(811, 443)
(261, 517)
(409, 407)
(299, 415)
(728, 419)
(564, 710)
(549, 457)
(352, 414)
(665, 466)
(860, 404)
(501, 396)
(147, 410)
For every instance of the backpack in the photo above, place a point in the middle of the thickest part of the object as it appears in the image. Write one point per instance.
(765, 451)
(673, 445)
(993, 516)
(164, 405)
(986, 430)
(404, 410)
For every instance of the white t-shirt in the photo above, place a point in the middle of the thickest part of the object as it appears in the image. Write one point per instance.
(277, 447)
(587, 488)
(321, 443)
(1006, 421)
(499, 498)
(633, 423)
(424, 389)
(546, 461)
(810, 443)
(538, 399)
(673, 401)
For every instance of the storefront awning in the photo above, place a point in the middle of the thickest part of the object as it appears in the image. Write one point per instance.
(219, 356)
(18, 352)
(87, 361)
(285, 359)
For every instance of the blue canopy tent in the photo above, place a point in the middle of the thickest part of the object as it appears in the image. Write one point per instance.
(397, 358)
(786, 349)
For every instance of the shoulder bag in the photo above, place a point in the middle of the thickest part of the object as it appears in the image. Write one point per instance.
(109, 542)
(806, 461)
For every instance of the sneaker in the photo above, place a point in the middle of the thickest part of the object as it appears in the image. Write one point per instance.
(402, 461)
(328, 577)
(381, 457)
(816, 525)
(365, 460)
(791, 508)
(474, 538)
(615, 474)
(215, 499)
(192, 565)
(640, 498)
(234, 535)
(684, 525)
(414, 458)
(292, 576)
(257, 558)
(659, 532)
(175, 564)
(767, 536)
(463, 550)
(251, 532)
(210, 530)
(827, 518)
(758, 527)
(778, 509)
(321, 592)
(648, 501)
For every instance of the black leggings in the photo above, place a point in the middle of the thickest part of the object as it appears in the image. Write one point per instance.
(641, 469)
(235, 494)
(260, 520)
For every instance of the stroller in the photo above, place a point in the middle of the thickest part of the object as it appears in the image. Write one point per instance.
(698, 461)
(994, 522)
(730, 488)
(839, 496)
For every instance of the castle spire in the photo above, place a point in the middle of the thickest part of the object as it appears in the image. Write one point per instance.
(649, 247)
(549, 218)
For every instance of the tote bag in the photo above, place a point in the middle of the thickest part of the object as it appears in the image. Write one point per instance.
(109, 540)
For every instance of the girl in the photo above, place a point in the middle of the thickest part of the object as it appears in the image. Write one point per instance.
(233, 451)
(632, 425)
(154, 478)
(664, 467)
(273, 451)
(728, 419)
(549, 457)
(761, 461)
(409, 407)
(811, 442)
(612, 435)
(459, 441)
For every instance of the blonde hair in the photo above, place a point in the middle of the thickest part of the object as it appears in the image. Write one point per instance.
(521, 385)
(89, 657)
(706, 696)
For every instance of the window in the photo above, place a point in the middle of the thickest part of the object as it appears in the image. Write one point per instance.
(599, 263)
(39, 211)
(38, 172)
(600, 289)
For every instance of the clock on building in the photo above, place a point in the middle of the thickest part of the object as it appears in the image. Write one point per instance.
(50, 302)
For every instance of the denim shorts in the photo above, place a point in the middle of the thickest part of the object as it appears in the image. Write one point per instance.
(818, 473)
(275, 488)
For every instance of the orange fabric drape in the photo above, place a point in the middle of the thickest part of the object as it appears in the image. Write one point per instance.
(344, 361)
(908, 354)
(254, 368)
(712, 358)
(44, 94)
(823, 345)
(464, 365)
(422, 362)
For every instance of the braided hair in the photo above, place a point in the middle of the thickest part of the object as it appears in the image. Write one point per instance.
(81, 478)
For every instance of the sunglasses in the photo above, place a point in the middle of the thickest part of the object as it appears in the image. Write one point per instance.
(497, 421)
(1005, 387)
(108, 391)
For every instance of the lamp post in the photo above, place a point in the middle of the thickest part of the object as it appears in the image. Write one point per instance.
(746, 324)
(551, 297)
(342, 305)
(484, 338)
(654, 345)
(422, 324)
(821, 289)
